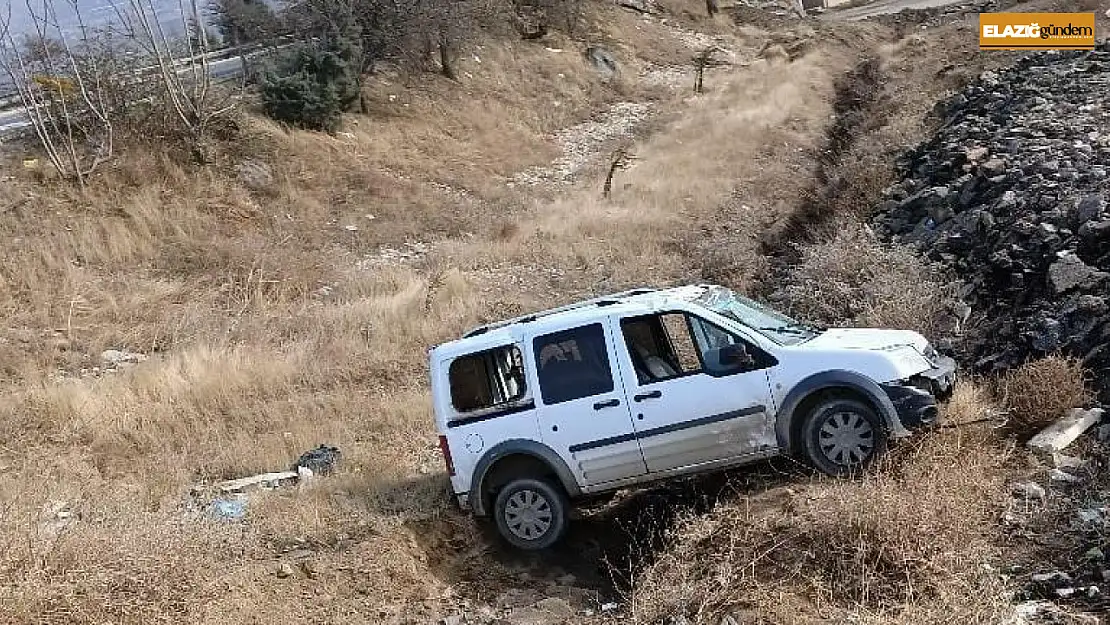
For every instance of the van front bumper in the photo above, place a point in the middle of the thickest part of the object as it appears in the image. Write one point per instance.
(916, 408)
(915, 400)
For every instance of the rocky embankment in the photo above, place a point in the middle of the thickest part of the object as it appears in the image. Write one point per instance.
(1011, 193)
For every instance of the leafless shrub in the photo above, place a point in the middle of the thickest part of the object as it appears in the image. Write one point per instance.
(420, 36)
(82, 91)
(61, 90)
(621, 159)
(544, 15)
(446, 25)
(1041, 391)
(860, 181)
(183, 74)
(855, 279)
(702, 61)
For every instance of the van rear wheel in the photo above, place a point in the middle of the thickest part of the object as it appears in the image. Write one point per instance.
(531, 514)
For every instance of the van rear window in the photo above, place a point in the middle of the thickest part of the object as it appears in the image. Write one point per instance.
(487, 379)
(573, 364)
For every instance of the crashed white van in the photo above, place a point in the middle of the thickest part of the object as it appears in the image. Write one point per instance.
(541, 410)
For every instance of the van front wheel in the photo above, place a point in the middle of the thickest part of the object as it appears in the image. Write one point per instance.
(843, 436)
(531, 514)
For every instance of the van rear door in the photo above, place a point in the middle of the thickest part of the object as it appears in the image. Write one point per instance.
(584, 414)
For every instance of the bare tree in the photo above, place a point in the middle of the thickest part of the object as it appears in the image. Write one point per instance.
(60, 89)
(183, 71)
(245, 21)
(703, 60)
(534, 18)
(450, 24)
(621, 159)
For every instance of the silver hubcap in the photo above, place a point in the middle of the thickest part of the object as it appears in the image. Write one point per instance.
(847, 438)
(528, 514)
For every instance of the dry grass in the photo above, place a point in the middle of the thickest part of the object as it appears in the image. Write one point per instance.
(659, 226)
(971, 402)
(907, 544)
(856, 279)
(1041, 391)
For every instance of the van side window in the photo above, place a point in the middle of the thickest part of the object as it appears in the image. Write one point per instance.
(573, 364)
(725, 353)
(487, 379)
(675, 344)
(661, 346)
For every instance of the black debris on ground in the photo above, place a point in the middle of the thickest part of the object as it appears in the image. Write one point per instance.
(1011, 193)
(321, 461)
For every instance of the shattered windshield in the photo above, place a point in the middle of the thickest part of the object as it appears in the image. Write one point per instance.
(768, 322)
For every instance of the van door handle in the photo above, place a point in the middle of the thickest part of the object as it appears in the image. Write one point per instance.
(612, 403)
(652, 395)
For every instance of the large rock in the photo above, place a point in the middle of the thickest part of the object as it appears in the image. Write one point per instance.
(118, 357)
(1088, 208)
(602, 60)
(1069, 272)
(640, 6)
(1063, 432)
(1095, 231)
(255, 175)
(550, 611)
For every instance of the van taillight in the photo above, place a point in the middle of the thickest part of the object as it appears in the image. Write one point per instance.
(446, 449)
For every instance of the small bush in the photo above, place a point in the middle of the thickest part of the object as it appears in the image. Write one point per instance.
(312, 87)
(1041, 391)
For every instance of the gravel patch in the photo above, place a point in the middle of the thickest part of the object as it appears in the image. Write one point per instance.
(580, 144)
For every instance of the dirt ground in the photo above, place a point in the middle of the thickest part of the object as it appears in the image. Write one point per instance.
(267, 319)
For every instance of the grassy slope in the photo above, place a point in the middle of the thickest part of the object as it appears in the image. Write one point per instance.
(251, 363)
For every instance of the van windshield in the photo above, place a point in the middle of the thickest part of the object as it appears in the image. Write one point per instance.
(771, 323)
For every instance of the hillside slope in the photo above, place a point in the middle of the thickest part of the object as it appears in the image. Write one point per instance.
(286, 295)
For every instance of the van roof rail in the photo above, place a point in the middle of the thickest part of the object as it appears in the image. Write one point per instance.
(605, 300)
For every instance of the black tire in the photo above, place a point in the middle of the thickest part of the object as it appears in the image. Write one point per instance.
(540, 517)
(843, 436)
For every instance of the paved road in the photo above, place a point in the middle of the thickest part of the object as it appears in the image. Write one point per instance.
(15, 120)
(882, 7)
(11, 121)
(95, 13)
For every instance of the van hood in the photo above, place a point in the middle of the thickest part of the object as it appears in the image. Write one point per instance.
(867, 338)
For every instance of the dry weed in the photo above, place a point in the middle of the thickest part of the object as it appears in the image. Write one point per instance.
(860, 179)
(855, 279)
(1041, 391)
(904, 545)
(970, 402)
